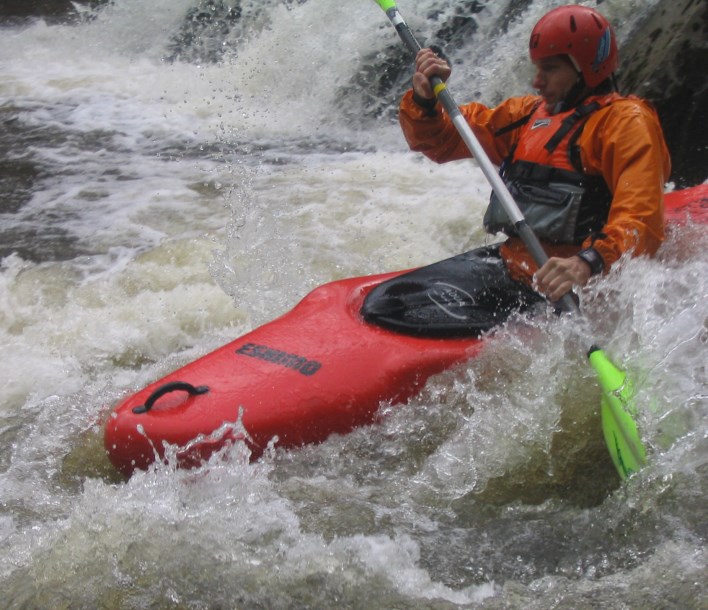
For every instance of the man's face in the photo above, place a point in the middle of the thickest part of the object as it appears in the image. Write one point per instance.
(554, 78)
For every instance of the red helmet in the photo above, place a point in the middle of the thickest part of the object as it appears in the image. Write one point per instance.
(581, 33)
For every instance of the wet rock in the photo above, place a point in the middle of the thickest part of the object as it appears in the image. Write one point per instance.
(665, 61)
(13, 12)
(205, 32)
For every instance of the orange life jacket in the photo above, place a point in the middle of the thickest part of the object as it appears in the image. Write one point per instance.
(560, 202)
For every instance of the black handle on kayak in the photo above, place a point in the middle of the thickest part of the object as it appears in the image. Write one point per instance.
(172, 386)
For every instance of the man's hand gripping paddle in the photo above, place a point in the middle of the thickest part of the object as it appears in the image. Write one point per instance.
(617, 408)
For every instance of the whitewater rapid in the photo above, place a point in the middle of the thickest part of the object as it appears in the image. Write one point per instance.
(160, 207)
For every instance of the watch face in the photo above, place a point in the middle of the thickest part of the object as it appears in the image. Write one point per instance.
(592, 257)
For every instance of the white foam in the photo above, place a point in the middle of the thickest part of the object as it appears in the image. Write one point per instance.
(199, 209)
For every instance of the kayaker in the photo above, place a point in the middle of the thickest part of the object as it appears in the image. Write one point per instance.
(586, 165)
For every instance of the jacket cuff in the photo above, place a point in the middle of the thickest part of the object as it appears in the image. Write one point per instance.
(427, 104)
(593, 258)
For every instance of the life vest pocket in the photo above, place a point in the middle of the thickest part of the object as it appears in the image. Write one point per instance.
(551, 210)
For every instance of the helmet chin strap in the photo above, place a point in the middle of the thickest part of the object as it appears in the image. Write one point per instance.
(577, 93)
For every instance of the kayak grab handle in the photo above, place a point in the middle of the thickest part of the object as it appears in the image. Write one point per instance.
(172, 386)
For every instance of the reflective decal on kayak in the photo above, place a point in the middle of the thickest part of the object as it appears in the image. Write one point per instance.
(448, 297)
(291, 361)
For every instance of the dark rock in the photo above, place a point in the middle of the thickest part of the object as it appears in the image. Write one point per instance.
(203, 36)
(13, 12)
(665, 61)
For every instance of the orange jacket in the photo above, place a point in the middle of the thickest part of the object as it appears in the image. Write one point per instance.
(623, 142)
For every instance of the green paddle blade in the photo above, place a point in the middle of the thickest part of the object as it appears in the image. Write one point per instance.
(386, 4)
(618, 412)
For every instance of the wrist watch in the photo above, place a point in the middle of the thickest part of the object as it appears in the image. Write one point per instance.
(593, 258)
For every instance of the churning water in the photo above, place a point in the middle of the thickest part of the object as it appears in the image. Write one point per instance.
(171, 179)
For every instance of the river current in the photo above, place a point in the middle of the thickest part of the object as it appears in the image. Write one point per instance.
(169, 182)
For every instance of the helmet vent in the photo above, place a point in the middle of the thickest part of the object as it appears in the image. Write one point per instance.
(597, 21)
(573, 26)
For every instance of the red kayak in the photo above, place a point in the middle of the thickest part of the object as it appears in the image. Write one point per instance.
(317, 370)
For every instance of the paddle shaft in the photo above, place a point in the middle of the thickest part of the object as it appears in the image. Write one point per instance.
(490, 172)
